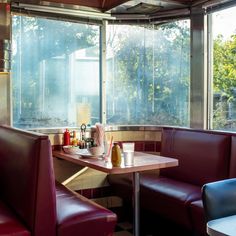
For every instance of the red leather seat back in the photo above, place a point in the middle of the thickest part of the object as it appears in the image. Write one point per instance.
(26, 179)
(203, 155)
(232, 170)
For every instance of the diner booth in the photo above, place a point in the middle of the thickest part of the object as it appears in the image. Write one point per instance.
(117, 117)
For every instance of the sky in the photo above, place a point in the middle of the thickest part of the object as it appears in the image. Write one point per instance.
(224, 22)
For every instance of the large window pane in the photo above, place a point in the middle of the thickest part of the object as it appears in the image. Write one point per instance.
(55, 73)
(148, 74)
(224, 69)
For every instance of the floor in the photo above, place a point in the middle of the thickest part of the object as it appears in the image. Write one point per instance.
(123, 229)
(161, 229)
(150, 225)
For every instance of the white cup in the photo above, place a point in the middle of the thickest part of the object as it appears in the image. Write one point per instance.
(128, 151)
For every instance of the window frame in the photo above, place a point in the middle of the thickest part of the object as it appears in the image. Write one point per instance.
(204, 103)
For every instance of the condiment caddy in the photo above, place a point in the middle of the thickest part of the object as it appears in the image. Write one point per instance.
(71, 138)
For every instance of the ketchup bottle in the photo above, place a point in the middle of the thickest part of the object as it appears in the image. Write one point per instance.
(66, 137)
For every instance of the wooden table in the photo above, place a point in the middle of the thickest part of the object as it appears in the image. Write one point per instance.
(142, 162)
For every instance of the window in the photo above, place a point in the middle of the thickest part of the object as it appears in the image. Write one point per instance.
(148, 74)
(224, 70)
(55, 73)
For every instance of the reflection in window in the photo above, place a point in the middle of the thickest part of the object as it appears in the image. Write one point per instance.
(224, 69)
(148, 74)
(55, 73)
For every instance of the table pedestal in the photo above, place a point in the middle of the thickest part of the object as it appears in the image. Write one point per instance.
(136, 196)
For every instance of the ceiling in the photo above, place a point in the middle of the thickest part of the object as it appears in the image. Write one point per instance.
(133, 9)
(105, 5)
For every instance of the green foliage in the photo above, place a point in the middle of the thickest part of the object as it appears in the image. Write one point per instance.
(224, 69)
(224, 81)
(43, 50)
(152, 71)
(53, 37)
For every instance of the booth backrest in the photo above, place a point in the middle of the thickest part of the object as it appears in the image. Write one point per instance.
(203, 155)
(27, 180)
(232, 169)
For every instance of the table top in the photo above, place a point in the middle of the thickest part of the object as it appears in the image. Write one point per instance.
(222, 226)
(142, 162)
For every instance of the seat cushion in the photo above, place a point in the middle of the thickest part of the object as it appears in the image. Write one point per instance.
(169, 198)
(9, 224)
(165, 196)
(77, 215)
(198, 217)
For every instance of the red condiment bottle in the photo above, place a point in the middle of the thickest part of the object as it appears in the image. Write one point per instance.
(66, 138)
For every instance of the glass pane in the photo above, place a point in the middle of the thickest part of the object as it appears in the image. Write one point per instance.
(224, 69)
(148, 74)
(55, 73)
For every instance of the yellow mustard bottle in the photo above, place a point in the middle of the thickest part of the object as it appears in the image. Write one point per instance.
(116, 155)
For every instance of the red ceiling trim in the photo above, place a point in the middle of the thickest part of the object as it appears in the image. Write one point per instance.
(114, 3)
(103, 3)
